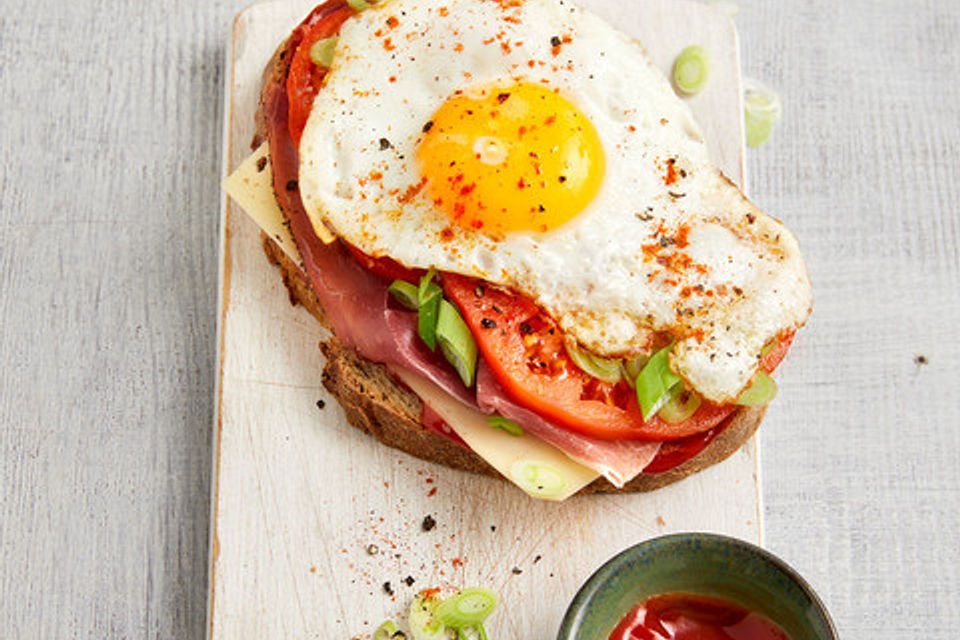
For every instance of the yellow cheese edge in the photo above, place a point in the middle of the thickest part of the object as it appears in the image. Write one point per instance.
(540, 469)
(251, 187)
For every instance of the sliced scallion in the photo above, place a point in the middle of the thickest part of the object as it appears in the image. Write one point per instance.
(632, 367)
(537, 478)
(761, 391)
(466, 608)
(456, 342)
(683, 403)
(361, 5)
(424, 624)
(387, 631)
(603, 368)
(405, 293)
(322, 51)
(475, 632)
(429, 296)
(655, 383)
(762, 110)
(691, 69)
(511, 427)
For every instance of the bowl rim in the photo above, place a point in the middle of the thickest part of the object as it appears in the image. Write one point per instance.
(601, 575)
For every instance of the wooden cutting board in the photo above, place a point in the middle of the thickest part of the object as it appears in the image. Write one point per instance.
(310, 517)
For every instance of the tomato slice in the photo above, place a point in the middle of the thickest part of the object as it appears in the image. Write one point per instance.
(387, 268)
(525, 350)
(305, 78)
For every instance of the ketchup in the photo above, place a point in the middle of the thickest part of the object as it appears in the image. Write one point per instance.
(686, 616)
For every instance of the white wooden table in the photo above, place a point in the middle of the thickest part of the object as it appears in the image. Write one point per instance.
(109, 189)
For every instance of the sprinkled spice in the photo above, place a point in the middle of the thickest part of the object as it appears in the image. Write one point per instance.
(488, 323)
(291, 185)
(409, 581)
(261, 164)
(555, 41)
(372, 549)
(428, 126)
(428, 523)
(387, 588)
(537, 559)
(921, 360)
(321, 404)
(516, 571)
(384, 144)
(503, 97)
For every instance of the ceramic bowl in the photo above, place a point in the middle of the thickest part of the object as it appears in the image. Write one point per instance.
(704, 564)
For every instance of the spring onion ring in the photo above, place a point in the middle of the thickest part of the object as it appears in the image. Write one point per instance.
(429, 296)
(655, 383)
(511, 427)
(322, 51)
(691, 70)
(466, 608)
(762, 390)
(405, 293)
(603, 368)
(457, 343)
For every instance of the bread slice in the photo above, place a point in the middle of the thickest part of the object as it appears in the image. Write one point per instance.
(377, 404)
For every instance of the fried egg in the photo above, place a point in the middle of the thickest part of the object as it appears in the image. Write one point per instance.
(531, 144)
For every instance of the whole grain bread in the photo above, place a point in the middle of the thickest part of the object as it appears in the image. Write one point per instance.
(377, 404)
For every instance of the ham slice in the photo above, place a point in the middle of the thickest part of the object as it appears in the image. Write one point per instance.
(619, 461)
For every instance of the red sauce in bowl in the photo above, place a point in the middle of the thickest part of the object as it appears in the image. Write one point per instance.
(686, 616)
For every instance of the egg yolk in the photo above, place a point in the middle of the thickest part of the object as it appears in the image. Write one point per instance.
(520, 158)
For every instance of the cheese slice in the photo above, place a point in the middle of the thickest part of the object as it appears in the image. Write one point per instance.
(251, 186)
(540, 469)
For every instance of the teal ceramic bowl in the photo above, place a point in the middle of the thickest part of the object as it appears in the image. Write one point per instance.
(704, 564)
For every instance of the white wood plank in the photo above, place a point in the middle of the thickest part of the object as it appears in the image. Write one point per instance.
(300, 494)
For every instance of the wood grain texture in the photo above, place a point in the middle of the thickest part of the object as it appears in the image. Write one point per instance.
(108, 285)
(300, 494)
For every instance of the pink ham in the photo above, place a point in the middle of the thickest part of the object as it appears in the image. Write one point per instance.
(617, 460)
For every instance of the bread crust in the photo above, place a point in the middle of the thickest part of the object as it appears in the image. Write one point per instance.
(377, 404)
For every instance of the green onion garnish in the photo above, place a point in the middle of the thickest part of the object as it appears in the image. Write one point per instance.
(762, 390)
(475, 632)
(683, 403)
(322, 51)
(424, 624)
(602, 368)
(387, 631)
(511, 427)
(456, 342)
(361, 5)
(762, 110)
(631, 368)
(429, 296)
(691, 69)
(405, 293)
(655, 382)
(466, 608)
(537, 479)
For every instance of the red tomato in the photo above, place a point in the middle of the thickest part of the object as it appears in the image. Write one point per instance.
(386, 268)
(525, 351)
(305, 77)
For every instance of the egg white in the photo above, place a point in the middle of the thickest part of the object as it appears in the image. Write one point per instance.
(606, 276)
